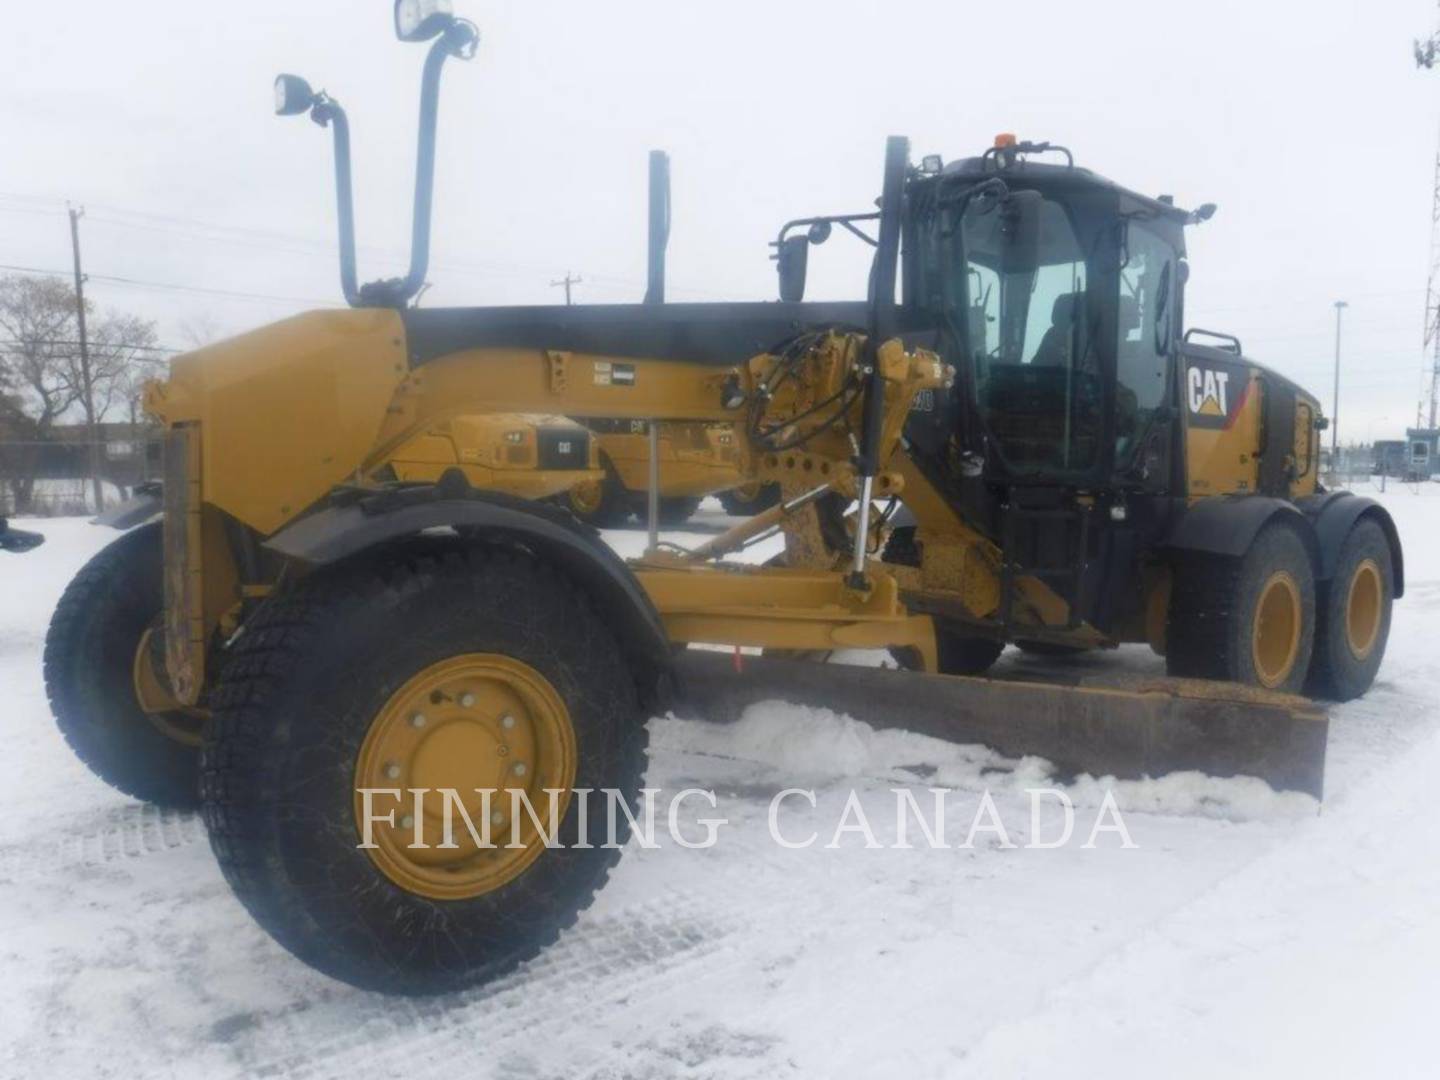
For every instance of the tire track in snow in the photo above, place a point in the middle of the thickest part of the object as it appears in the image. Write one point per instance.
(603, 961)
(113, 834)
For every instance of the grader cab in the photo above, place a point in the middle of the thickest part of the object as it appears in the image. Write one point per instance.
(1013, 441)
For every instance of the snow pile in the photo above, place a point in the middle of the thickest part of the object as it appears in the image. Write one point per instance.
(819, 746)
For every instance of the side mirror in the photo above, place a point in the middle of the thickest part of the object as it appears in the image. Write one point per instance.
(1020, 217)
(791, 261)
(293, 95)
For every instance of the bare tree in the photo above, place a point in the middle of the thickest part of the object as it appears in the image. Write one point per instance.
(41, 380)
(200, 329)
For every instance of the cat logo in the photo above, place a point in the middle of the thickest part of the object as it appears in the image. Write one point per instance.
(1213, 395)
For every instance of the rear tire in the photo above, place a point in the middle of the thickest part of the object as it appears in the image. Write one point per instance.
(1354, 616)
(749, 500)
(677, 509)
(1249, 620)
(314, 676)
(89, 675)
(958, 653)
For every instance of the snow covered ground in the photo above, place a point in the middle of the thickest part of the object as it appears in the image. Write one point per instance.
(1245, 934)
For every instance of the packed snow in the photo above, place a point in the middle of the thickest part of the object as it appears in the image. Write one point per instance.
(1225, 928)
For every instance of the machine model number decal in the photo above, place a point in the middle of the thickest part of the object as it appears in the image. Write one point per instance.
(611, 374)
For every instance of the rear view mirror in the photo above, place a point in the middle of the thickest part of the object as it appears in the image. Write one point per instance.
(792, 258)
(1020, 224)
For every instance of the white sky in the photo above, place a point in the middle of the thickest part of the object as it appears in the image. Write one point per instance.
(1307, 123)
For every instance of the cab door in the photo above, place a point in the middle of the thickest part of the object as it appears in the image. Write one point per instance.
(1145, 355)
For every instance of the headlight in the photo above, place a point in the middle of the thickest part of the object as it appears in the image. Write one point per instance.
(292, 95)
(421, 20)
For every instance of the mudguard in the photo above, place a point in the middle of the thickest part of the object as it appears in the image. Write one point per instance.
(341, 530)
(1228, 524)
(1333, 515)
(143, 505)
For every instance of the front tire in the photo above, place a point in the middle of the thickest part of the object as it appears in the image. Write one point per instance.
(749, 499)
(1050, 649)
(313, 707)
(601, 502)
(90, 655)
(676, 509)
(1354, 616)
(1249, 620)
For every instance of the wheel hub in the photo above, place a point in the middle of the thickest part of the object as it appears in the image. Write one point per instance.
(468, 732)
(585, 497)
(1364, 609)
(1275, 635)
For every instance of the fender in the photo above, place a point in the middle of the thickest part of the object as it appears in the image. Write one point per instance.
(1228, 524)
(1334, 514)
(349, 527)
(143, 504)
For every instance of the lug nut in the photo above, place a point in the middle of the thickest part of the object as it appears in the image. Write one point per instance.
(507, 721)
(497, 818)
(418, 720)
(467, 699)
(407, 822)
(392, 771)
(519, 769)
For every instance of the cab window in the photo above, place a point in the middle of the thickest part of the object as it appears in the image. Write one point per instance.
(1146, 335)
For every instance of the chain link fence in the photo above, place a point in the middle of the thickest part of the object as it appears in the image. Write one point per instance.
(52, 477)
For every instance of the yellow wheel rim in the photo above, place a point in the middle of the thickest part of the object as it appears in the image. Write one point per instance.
(1275, 635)
(182, 723)
(479, 721)
(586, 496)
(1364, 609)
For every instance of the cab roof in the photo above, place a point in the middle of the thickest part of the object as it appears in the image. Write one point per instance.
(1047, 174)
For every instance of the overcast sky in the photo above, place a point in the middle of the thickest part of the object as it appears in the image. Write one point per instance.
(1306, 122)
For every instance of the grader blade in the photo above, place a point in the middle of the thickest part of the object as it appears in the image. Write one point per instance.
(1126, 727)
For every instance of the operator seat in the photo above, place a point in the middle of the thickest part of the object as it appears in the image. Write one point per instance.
(1055, 346)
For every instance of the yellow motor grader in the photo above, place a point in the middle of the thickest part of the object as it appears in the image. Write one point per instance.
(1010, 439)
(534, 457)
(693, 460)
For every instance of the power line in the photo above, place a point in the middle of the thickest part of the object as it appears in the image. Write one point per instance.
(567, 281)
(277, 241)
(113, 279)
(61, 342)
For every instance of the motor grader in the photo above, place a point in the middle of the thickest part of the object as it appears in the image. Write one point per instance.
(694, 460)
(1009, 439)
(529, 456)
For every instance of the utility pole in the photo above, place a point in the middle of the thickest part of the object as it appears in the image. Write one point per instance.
(87, 385)
(1340, 306)
(566, 281)
(1427, 55)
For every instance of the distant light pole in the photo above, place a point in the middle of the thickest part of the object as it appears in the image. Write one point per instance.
(1340, 306)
